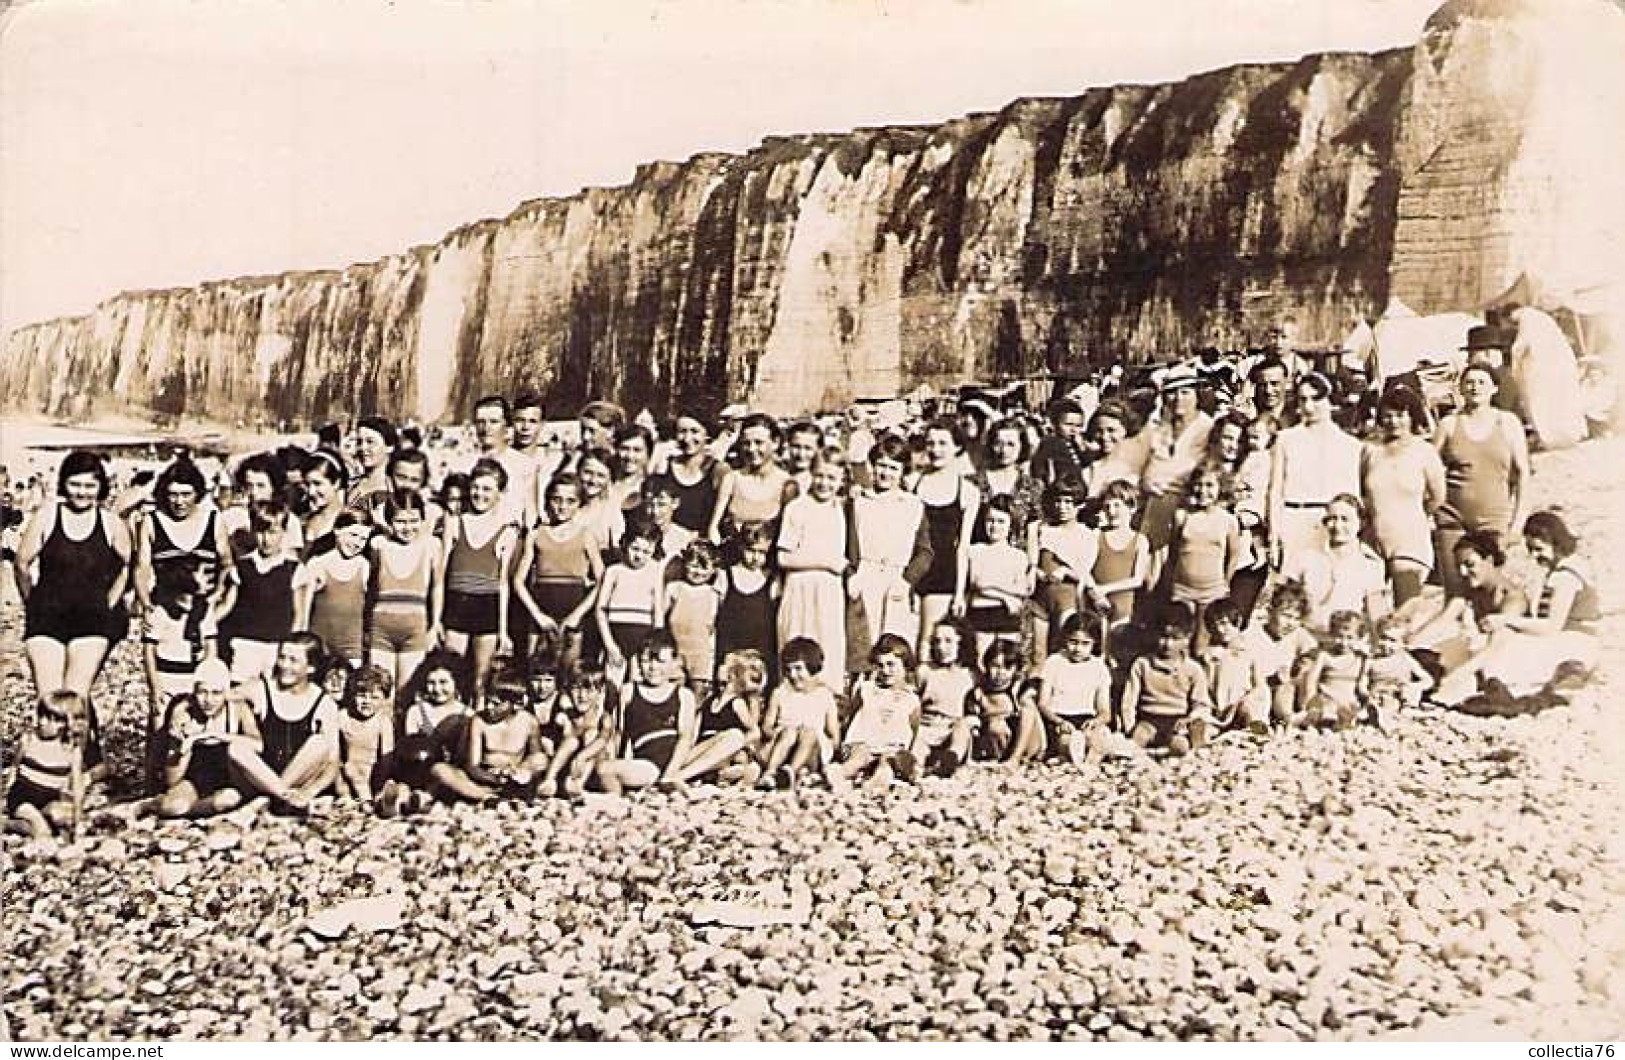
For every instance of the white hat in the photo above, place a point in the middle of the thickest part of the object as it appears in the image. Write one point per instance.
(212, 673)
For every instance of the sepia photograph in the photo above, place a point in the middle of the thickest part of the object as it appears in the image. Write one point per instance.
(812, 521)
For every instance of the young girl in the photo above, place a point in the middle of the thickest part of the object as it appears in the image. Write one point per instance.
(812, 555)
(435, 720)
(691, 614)
(749, 613)
(199, 780)
(1203, 550)
(886, 720)
(1123, 561)
(403, 621)
(45, 787)
(1240, 698)
(803, 721)
(502, 755)
(661, 498)
(946, 681)
(741, 705)
(1074, 694)
(659, 724)
(1330, 693)
(631, 602)
(558, 566)
(259, 602)
(333, 590)
(477, 550)
(178, 635)
(994, 700)
(1062, 550)
(891, 548)
(1001, 579)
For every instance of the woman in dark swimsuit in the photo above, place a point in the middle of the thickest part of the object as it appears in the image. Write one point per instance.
(951, 504)
(298, 724)
(74, 595)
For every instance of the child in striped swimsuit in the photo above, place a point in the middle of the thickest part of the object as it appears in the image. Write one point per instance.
(404, 620)
(632, 599)
(45, 788)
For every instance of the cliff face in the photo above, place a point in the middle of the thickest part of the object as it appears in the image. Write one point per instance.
(1127, 222)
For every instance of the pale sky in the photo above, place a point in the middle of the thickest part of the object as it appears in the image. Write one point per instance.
(160, 143)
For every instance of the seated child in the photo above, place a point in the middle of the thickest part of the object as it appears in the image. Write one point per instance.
(367, 742)
(887, 714)
(994, 700)
(1330, 695)
(1166, 702)
(502, 756)
(740, 704)
(199, 778)
(1393, 676)
(947, 726)
(1240, 697)
(588, 735)
(1279, 646)
(803, 720)
(435, 722)
(1000, 578)
(45, 787)
(1074, 693)
(660, 726)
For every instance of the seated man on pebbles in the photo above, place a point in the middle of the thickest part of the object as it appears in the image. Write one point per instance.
(659, 725)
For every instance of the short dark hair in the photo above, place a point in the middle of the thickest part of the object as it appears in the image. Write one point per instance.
(495, 401)
(381, 427)
(802, 650)
(1549, 527)
(84, 462)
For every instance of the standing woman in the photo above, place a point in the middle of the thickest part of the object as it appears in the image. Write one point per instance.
(479, 546)
(1403, 482)
(696, 474)
(260, 478)
(1114, 435)
(73, 595)
(1005, 472)
(634, 447)
(891, 552)
(951, 506)
(1486, 466)
(1310, 464)
(812, 554)
(1176, 440)
(180, 525)
(758, 489)
(600, 510)
(325, 482)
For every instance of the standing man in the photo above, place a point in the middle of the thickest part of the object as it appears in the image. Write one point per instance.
(493, 418)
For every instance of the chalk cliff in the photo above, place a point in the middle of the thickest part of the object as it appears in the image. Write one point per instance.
(1126, 222)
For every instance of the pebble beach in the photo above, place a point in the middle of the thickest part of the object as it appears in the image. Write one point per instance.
(1450, 877)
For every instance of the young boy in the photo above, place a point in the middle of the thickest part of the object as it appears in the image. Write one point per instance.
(1279, 646)
(45, 787)
(1166, 702)
(502, 755)
(367, 740)
(1240, 698)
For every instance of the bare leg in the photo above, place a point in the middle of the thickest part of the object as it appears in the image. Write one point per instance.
(255, 773)
(710, 753)
(313, 770)
(480, 653)
(456, 782)
(618, 774)
(29, 821)
(177, 801)
(47, 663)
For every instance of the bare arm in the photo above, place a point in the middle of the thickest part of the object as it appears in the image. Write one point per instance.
(28, 549)
(1519, 472)
(725, 492)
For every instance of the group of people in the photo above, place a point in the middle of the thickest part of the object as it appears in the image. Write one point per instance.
(772, 601)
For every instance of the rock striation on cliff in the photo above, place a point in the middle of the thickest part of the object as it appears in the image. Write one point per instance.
(1125, 223)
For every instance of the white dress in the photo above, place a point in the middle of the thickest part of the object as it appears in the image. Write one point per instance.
(886, 528)
(814, 601)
